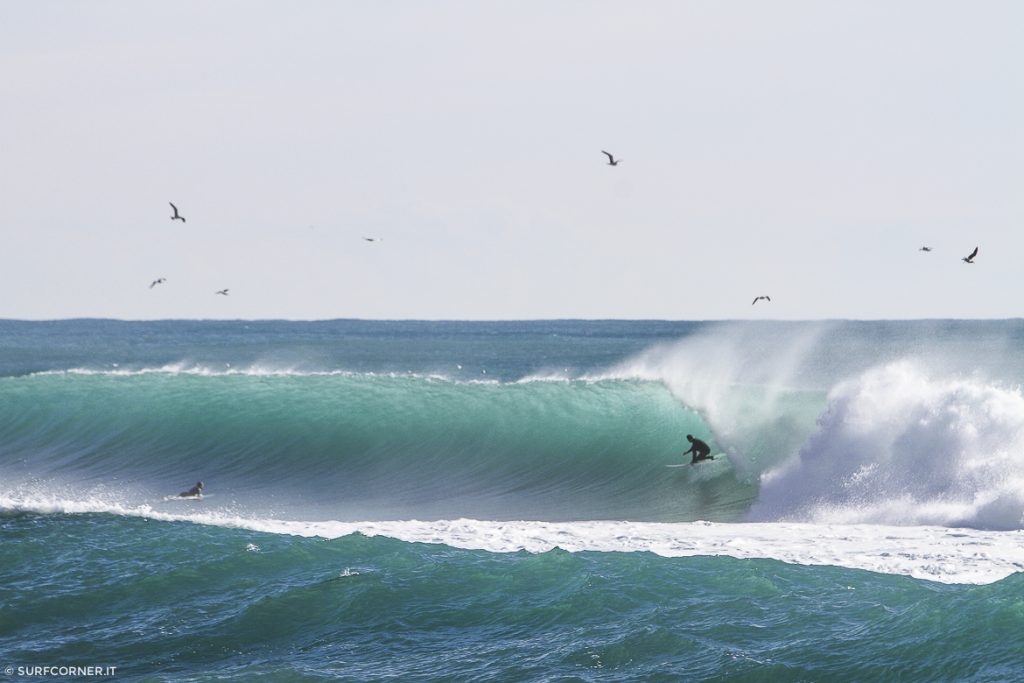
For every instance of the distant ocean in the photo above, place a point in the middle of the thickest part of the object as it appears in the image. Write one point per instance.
(491, 501)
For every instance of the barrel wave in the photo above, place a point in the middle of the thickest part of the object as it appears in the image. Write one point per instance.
(491, 501)
(365, 446)
(915, 423)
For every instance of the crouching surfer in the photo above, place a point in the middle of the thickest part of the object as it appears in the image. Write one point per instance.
(700, 450)
(194, 492)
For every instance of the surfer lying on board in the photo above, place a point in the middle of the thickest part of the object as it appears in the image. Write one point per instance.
(700, 450)
(194, 492)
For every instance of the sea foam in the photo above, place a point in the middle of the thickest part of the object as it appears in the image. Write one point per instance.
(896, 445)
(946, 555)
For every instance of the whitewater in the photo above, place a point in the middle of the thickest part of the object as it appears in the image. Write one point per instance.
(406, 459)
(817, 427)
(947, 555)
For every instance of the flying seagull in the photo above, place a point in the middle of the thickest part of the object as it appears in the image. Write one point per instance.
(176, 216)
(222, 291)
(925, 249)
(158, 281)
(758, 298)
(970, 259)
(374, 239)
(612, 161)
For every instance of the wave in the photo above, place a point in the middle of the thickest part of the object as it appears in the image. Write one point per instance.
(912, 441)
(251, 370)
(933, 553)
(897, 444)
(367, 445)
(904, 442)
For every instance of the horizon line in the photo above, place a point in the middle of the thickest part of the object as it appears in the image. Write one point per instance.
(503, 320)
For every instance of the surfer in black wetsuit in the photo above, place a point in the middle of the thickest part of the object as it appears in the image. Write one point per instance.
(700, 450)
(193, 492)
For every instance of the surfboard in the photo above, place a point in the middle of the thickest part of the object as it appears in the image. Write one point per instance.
(687, 464)
(199, 497)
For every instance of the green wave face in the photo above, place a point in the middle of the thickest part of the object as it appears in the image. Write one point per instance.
(371, 446)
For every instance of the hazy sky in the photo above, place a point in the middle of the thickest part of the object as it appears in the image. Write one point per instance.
(803, 150)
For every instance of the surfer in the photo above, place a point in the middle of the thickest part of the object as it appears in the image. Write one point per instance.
(194, 492)
(700, 450)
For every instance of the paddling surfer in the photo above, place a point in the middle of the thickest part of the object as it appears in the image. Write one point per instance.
(194, 492)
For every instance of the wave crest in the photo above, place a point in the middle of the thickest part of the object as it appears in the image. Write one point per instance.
(896, 446)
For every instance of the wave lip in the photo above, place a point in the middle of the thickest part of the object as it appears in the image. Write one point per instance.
(227, 370)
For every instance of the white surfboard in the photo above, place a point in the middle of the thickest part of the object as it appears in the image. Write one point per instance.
(199, 497)
(713, 458)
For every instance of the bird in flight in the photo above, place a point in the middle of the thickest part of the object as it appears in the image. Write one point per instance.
(758, 298)
(158, 281)
(970, 259)
(374, 239)
(176, 216)
(925, 249)
(612, 161)
(223, 292)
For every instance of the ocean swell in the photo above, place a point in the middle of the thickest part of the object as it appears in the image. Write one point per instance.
(366, 446)
(897, 443)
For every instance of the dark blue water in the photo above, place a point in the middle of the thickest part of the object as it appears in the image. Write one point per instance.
(349, 421)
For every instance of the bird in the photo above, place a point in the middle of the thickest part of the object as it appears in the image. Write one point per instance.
(925, 249)
(223, 292)
(158, 281)
(176, 215)
(612, 161)
(374, 239)
(970, 258)
(758, 298)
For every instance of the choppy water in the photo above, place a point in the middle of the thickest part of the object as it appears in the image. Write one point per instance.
(490, 501)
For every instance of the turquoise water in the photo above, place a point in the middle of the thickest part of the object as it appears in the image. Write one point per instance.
(563, 422)
(367, 447)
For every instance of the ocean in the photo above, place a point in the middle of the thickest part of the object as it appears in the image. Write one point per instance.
(493, 501)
